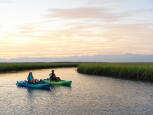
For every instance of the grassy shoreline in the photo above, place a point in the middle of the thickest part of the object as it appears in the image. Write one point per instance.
(9, 67)
(131, 71)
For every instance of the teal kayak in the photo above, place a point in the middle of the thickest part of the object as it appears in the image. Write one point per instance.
(34, 86)
(62, 82)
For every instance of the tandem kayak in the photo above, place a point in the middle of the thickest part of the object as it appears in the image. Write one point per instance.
(34, 86)
(62, 82)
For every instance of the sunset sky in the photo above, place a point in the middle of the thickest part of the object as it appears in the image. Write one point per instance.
(63, 28)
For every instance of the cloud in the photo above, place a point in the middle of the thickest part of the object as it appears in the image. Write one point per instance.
(135, 13)
(101, 14)
(130, 31)
(130, 37)
(28, 30)
(83, 13)
(102, 38)
(80, 40)
(105, 3)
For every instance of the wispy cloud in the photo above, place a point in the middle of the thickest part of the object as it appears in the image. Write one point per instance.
(94, 39)
(101, 14)
(83, 13)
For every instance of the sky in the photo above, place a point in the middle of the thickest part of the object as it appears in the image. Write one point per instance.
(64, 28)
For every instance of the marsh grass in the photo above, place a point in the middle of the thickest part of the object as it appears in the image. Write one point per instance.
(8, 67)
(135, 71)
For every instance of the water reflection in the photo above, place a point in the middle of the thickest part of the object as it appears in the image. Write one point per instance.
(88, 95)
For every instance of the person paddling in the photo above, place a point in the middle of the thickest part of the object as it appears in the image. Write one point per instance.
(30, 78)
(53, 76)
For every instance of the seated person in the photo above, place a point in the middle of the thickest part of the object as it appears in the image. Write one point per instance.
(31, 79)
(53, 77)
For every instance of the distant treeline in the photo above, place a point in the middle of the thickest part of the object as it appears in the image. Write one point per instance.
(134, 71)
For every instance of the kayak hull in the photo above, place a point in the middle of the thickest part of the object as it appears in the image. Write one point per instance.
(33, 86)
(64, 83)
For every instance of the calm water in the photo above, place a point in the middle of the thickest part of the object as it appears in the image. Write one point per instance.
(89, 95)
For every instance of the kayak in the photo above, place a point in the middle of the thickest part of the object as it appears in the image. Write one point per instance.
(34, 86)
(62, 82)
